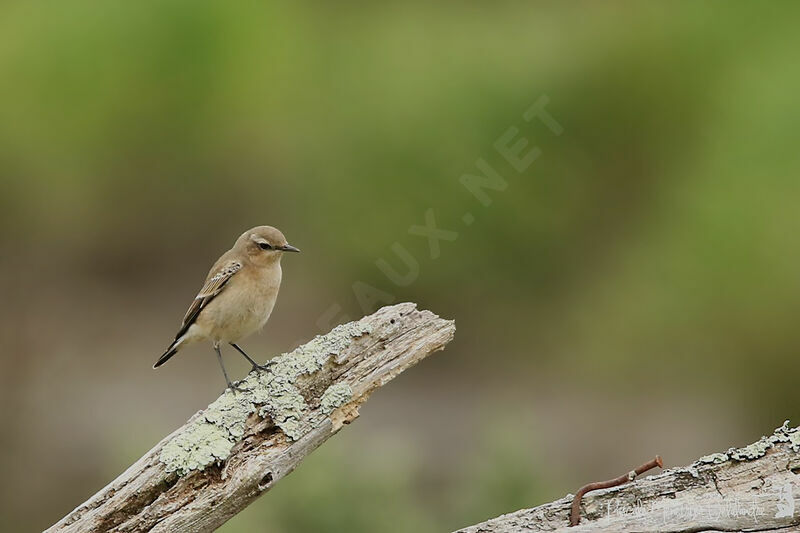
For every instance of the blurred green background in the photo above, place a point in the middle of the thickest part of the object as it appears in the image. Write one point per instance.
(634, 291)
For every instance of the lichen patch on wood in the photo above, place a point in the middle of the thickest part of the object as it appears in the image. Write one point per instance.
(272, 393)
(758, 448)
(263, 433)
(751, 488)
(334, 397)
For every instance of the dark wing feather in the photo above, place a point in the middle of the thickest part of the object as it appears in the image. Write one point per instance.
(216, 281)
(214, 285)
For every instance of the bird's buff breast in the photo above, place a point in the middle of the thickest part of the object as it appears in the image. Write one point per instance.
(241, 309)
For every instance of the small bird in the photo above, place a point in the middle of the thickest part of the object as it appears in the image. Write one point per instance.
(238, 295)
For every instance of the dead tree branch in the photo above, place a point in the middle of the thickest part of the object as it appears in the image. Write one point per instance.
(744, 489)
(232, 452)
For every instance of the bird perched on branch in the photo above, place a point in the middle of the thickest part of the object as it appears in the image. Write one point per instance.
(238, 295)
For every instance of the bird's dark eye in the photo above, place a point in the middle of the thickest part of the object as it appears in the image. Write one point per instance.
(264, 246)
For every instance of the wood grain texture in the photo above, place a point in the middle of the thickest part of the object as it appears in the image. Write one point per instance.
(234, 451)
(754, 488)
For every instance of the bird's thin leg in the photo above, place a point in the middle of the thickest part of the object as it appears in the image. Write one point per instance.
(256, 366)
(224, 373)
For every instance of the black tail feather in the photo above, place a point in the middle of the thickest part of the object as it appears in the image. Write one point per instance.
(172, 350)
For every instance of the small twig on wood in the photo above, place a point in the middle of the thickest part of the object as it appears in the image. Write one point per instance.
(575, 513)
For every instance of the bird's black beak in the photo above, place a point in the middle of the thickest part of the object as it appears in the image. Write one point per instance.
(289, 248)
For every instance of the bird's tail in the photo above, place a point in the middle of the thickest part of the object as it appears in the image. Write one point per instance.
(172, 350)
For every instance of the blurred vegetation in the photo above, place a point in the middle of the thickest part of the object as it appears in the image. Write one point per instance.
(648, 259)
(334, 491)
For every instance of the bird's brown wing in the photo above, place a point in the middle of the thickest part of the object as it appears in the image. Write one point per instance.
(216, 281)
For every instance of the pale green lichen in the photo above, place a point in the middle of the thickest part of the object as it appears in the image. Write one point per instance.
(334, 397)
(714, 458)
(752, 451)
(210, 438)
(196, 448)
(794, 439)
(757, 449)
(276, 390)
(322, 346)
(230, 411)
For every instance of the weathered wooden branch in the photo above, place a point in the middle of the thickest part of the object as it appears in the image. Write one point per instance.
(754, 488)
(229, 454)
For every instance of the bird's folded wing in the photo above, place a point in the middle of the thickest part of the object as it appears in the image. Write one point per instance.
(214, 284)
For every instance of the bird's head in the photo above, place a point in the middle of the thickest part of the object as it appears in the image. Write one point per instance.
(264, 244)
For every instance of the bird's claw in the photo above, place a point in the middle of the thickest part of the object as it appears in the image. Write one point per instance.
(234, 387)
(263, 368)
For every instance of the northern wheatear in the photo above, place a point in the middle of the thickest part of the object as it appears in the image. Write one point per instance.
(238, 296)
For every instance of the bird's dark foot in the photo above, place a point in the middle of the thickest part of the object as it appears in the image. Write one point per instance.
(234, 387)
(263, 368)
(256, 366)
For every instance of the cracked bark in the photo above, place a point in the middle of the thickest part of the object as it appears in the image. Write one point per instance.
(231, 453)
(754, 488)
